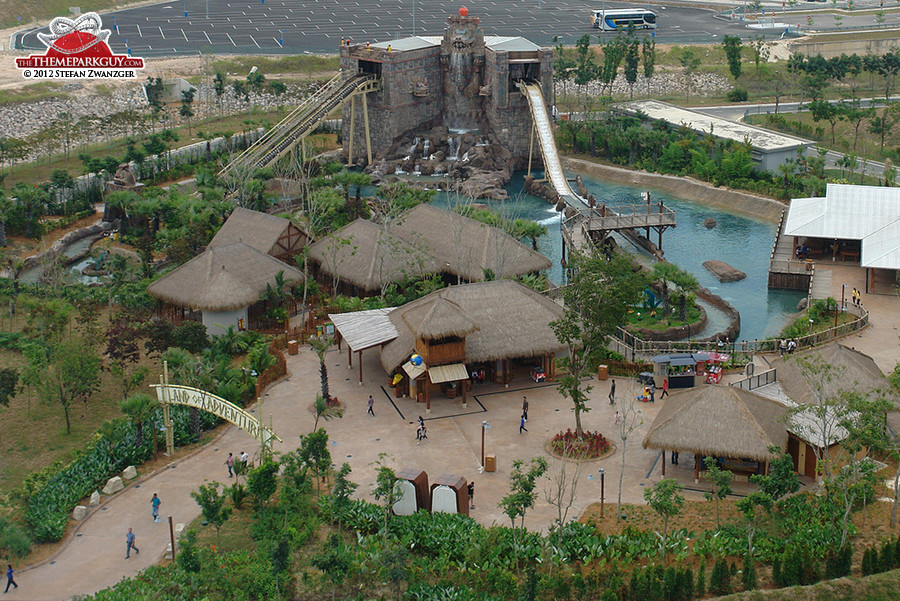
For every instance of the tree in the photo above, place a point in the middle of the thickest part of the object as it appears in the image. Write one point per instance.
(597, 299)
(9, 384)
(522, 493)
(335, 560)
(562, 485)
(342, 490)
(733, 47)
(263, 481)
(632, 60)
(760, 50)
(689, 62)
(123, 352)
(325, 411)
(62, 373)
(187, 100)
(780, 479)
(648, 58)
(140, 408)
(720, 480)
(666, 500)
(749, 506)
(824, 110)
(321, 344)
(314, 453)
(212, 505)
(686, 283)
(385, 490)
(630, 418)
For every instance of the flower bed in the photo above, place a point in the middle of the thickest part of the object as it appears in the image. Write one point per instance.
(590, 446)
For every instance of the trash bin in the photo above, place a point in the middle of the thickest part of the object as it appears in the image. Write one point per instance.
(603, 372)
(490, 463)
(293, 347)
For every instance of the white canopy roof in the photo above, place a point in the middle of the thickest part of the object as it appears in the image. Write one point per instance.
(870, 214)
(365, 329)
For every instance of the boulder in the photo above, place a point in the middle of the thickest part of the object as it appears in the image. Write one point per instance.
(804, 302)
(95, 499)
(129, 473)
(724, 271)
(79, 513)
(114, 484)
(710, 223)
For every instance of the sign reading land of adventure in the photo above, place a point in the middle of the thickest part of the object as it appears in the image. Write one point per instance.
(77, 49)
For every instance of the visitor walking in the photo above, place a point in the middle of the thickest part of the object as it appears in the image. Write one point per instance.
(155, 502)
(229, 462)
(522, 427)
(371, 403)
(612, 393)
(782, 347)
(424, 432)
(652, 393)
(618, 417)
(10, 573)
(421, 422)
(129, 543)
(245, 459)
(525, 407)
(471, 489)
(674, 457)
(665, 391)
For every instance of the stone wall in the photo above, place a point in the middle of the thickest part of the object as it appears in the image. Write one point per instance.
(849, 45)
(399, 106)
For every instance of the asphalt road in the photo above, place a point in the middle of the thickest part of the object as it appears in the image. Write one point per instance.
(273, 26)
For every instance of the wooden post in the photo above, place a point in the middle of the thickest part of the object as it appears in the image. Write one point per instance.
(696, 468)
(172, 537)
(359, 360)
(664, 463)
(349, 357)
(531, 145)
(352, 121)
(427, 385)
(366, 123)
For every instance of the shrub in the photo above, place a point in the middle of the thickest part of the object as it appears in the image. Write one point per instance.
(589, 446)
(720, 580)
(14, 541)
(700, 589)
(749, 574)
(237, 493)
(737, 95)
(191, 336)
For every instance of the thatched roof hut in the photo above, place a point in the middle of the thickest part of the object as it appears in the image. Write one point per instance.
(266, 233)
(222, 278)
(502, 320)
(720, 421)
(860, 373)
(426, 239)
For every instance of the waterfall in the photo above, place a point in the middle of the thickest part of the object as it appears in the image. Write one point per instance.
(412, 149)
(426, 147)
(453, 151)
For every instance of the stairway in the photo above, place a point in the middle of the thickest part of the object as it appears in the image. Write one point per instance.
(820, 287)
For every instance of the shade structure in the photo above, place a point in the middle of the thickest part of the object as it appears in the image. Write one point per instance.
(447, 373)
(365, 329)
(720, 421)
(857, 372)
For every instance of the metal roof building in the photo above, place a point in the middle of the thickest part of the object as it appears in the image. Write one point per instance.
(769, 148)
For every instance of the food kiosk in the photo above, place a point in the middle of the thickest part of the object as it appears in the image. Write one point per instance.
(684, 370)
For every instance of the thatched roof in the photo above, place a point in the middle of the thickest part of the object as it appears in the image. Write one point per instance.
(426, 239)
(512, 320)
(442, 318)
(860, 373)
(721, 421)
(257, 230)
(223, 278)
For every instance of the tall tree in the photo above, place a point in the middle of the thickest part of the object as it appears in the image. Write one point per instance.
(597, 299)
(733, 47)
(720, 480)
(689, 62)
(631, 417)
(140, 408)
(62, 373)
(212, 505)
(666, 500)
(321, 344)
(632, 60)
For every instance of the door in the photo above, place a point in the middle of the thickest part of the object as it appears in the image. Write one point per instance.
(810, 468)
(794, 451)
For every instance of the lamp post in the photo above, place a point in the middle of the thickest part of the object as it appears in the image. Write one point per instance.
(602, 489)
(484, 426)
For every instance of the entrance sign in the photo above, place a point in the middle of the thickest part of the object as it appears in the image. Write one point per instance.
(171, 394)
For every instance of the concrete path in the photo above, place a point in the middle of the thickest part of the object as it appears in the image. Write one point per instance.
(94, 557)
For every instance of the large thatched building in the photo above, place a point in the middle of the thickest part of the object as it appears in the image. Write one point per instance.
(365, 256)
(485, 328)
(726, 422)
(222, 286)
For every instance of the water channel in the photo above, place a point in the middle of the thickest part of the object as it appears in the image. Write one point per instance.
(741, 241)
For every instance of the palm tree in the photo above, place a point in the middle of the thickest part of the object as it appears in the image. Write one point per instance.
(321, 344)
(686, 284)
(325, 411)
(664, 273)
(139, 408)
(526, 228)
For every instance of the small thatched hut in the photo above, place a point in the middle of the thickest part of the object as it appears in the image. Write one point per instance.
(719, 421)
(223, 284)
(424, 240)
(859, 373)
(266, 233)
(481, 327)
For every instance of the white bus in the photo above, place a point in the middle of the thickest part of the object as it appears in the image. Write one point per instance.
(621, 18)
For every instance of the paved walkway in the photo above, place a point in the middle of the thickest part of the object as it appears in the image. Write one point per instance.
(94, 557)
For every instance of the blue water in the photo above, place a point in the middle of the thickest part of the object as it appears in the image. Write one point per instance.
(741, 241)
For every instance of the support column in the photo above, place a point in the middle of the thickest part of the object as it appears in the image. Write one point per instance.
(531, 145)
(359, 360)
(349, 357)
(352, 122)
(664, 464)
(696, 469)
(462, 384)
(368, 137)
(427, 395)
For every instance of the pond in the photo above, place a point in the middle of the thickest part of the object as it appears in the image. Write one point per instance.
(741, 241)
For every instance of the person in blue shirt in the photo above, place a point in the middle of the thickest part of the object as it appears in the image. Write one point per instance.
(155, 502)
(9, 578)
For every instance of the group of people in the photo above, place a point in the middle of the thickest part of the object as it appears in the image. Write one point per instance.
(243, 459)
(524, 418)
(856, 297)
(787, 346)
(421, 431)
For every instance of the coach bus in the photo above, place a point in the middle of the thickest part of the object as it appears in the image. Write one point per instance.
(621, 18)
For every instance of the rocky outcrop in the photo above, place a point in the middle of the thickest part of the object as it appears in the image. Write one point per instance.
(710, 223)
(542, 191)
(724, 272)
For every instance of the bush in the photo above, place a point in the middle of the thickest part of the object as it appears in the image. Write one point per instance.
(237, 493)
(737, 95)
(720, 581)
(589, 446)
(191, 336)
(749, 574)
(14, 541)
